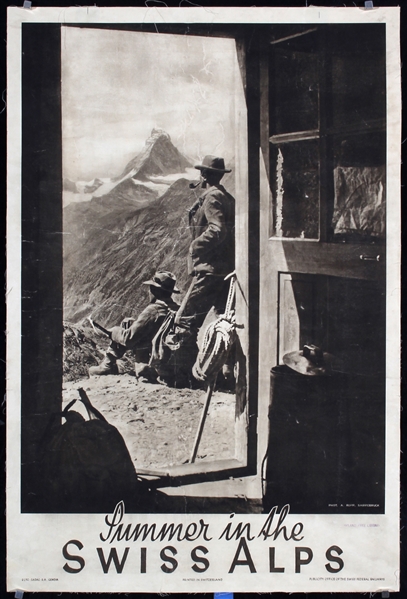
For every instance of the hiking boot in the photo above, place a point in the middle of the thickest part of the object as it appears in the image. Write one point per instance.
(107, 366)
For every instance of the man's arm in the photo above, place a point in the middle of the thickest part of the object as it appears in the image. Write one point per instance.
(216, 230)
(141, 329)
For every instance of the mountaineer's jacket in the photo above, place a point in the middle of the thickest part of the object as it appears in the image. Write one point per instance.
(142, 331)
(212, 224)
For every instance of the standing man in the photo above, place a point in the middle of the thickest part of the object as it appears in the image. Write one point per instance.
(138, 334)
(212, 250)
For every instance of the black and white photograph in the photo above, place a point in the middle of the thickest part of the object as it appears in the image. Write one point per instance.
(203, 215)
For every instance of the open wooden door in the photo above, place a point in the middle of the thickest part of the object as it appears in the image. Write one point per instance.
(322, 260)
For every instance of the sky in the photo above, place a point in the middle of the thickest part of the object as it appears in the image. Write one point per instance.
(117, 86)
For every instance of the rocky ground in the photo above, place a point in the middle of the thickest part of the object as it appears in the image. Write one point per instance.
(158, 423)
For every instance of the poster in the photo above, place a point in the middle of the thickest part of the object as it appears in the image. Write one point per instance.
(291, 484)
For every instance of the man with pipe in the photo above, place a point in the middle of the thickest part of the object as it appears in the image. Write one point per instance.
(211, 254)
(212, 250)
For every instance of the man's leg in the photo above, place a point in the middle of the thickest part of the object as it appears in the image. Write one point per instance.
(109, 363)
(208, 291)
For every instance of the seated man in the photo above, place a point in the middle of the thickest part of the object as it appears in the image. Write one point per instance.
(138, 334)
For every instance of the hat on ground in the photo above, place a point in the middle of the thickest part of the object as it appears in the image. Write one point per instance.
(165, 280)
(214, 164)
(311, 360)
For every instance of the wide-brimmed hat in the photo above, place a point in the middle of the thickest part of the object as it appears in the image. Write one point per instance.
(214, 164)
(311, 361)
(164, 280)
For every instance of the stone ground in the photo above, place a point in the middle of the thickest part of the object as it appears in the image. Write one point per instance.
(159, 423)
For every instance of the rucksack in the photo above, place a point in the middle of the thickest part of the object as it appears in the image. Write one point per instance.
(86, 463)
(171, 335)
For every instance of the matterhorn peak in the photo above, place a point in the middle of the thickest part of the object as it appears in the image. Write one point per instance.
(158, 157)
(156, 134)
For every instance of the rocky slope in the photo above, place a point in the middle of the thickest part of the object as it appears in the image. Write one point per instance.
(82, 348)
(91, 227)
(114, 247)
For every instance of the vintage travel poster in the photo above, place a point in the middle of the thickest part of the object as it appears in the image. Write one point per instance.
(203, 299)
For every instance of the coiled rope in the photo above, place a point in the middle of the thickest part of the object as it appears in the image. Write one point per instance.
(218, 339)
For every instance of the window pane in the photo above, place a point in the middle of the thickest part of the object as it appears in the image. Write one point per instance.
(296, 192)
(294, 86)
(360, 204)
(358, 75)
(359, 211)
(360, 150)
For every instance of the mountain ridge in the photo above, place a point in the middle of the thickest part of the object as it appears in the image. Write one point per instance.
(103, 274)
(158, 157)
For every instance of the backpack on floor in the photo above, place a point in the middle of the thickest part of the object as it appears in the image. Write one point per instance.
(86, 463)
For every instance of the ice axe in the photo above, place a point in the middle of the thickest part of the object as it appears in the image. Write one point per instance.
(209, 391)
(219, 336)
(96, 325)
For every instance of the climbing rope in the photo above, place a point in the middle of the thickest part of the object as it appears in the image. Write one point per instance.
(218, 339)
